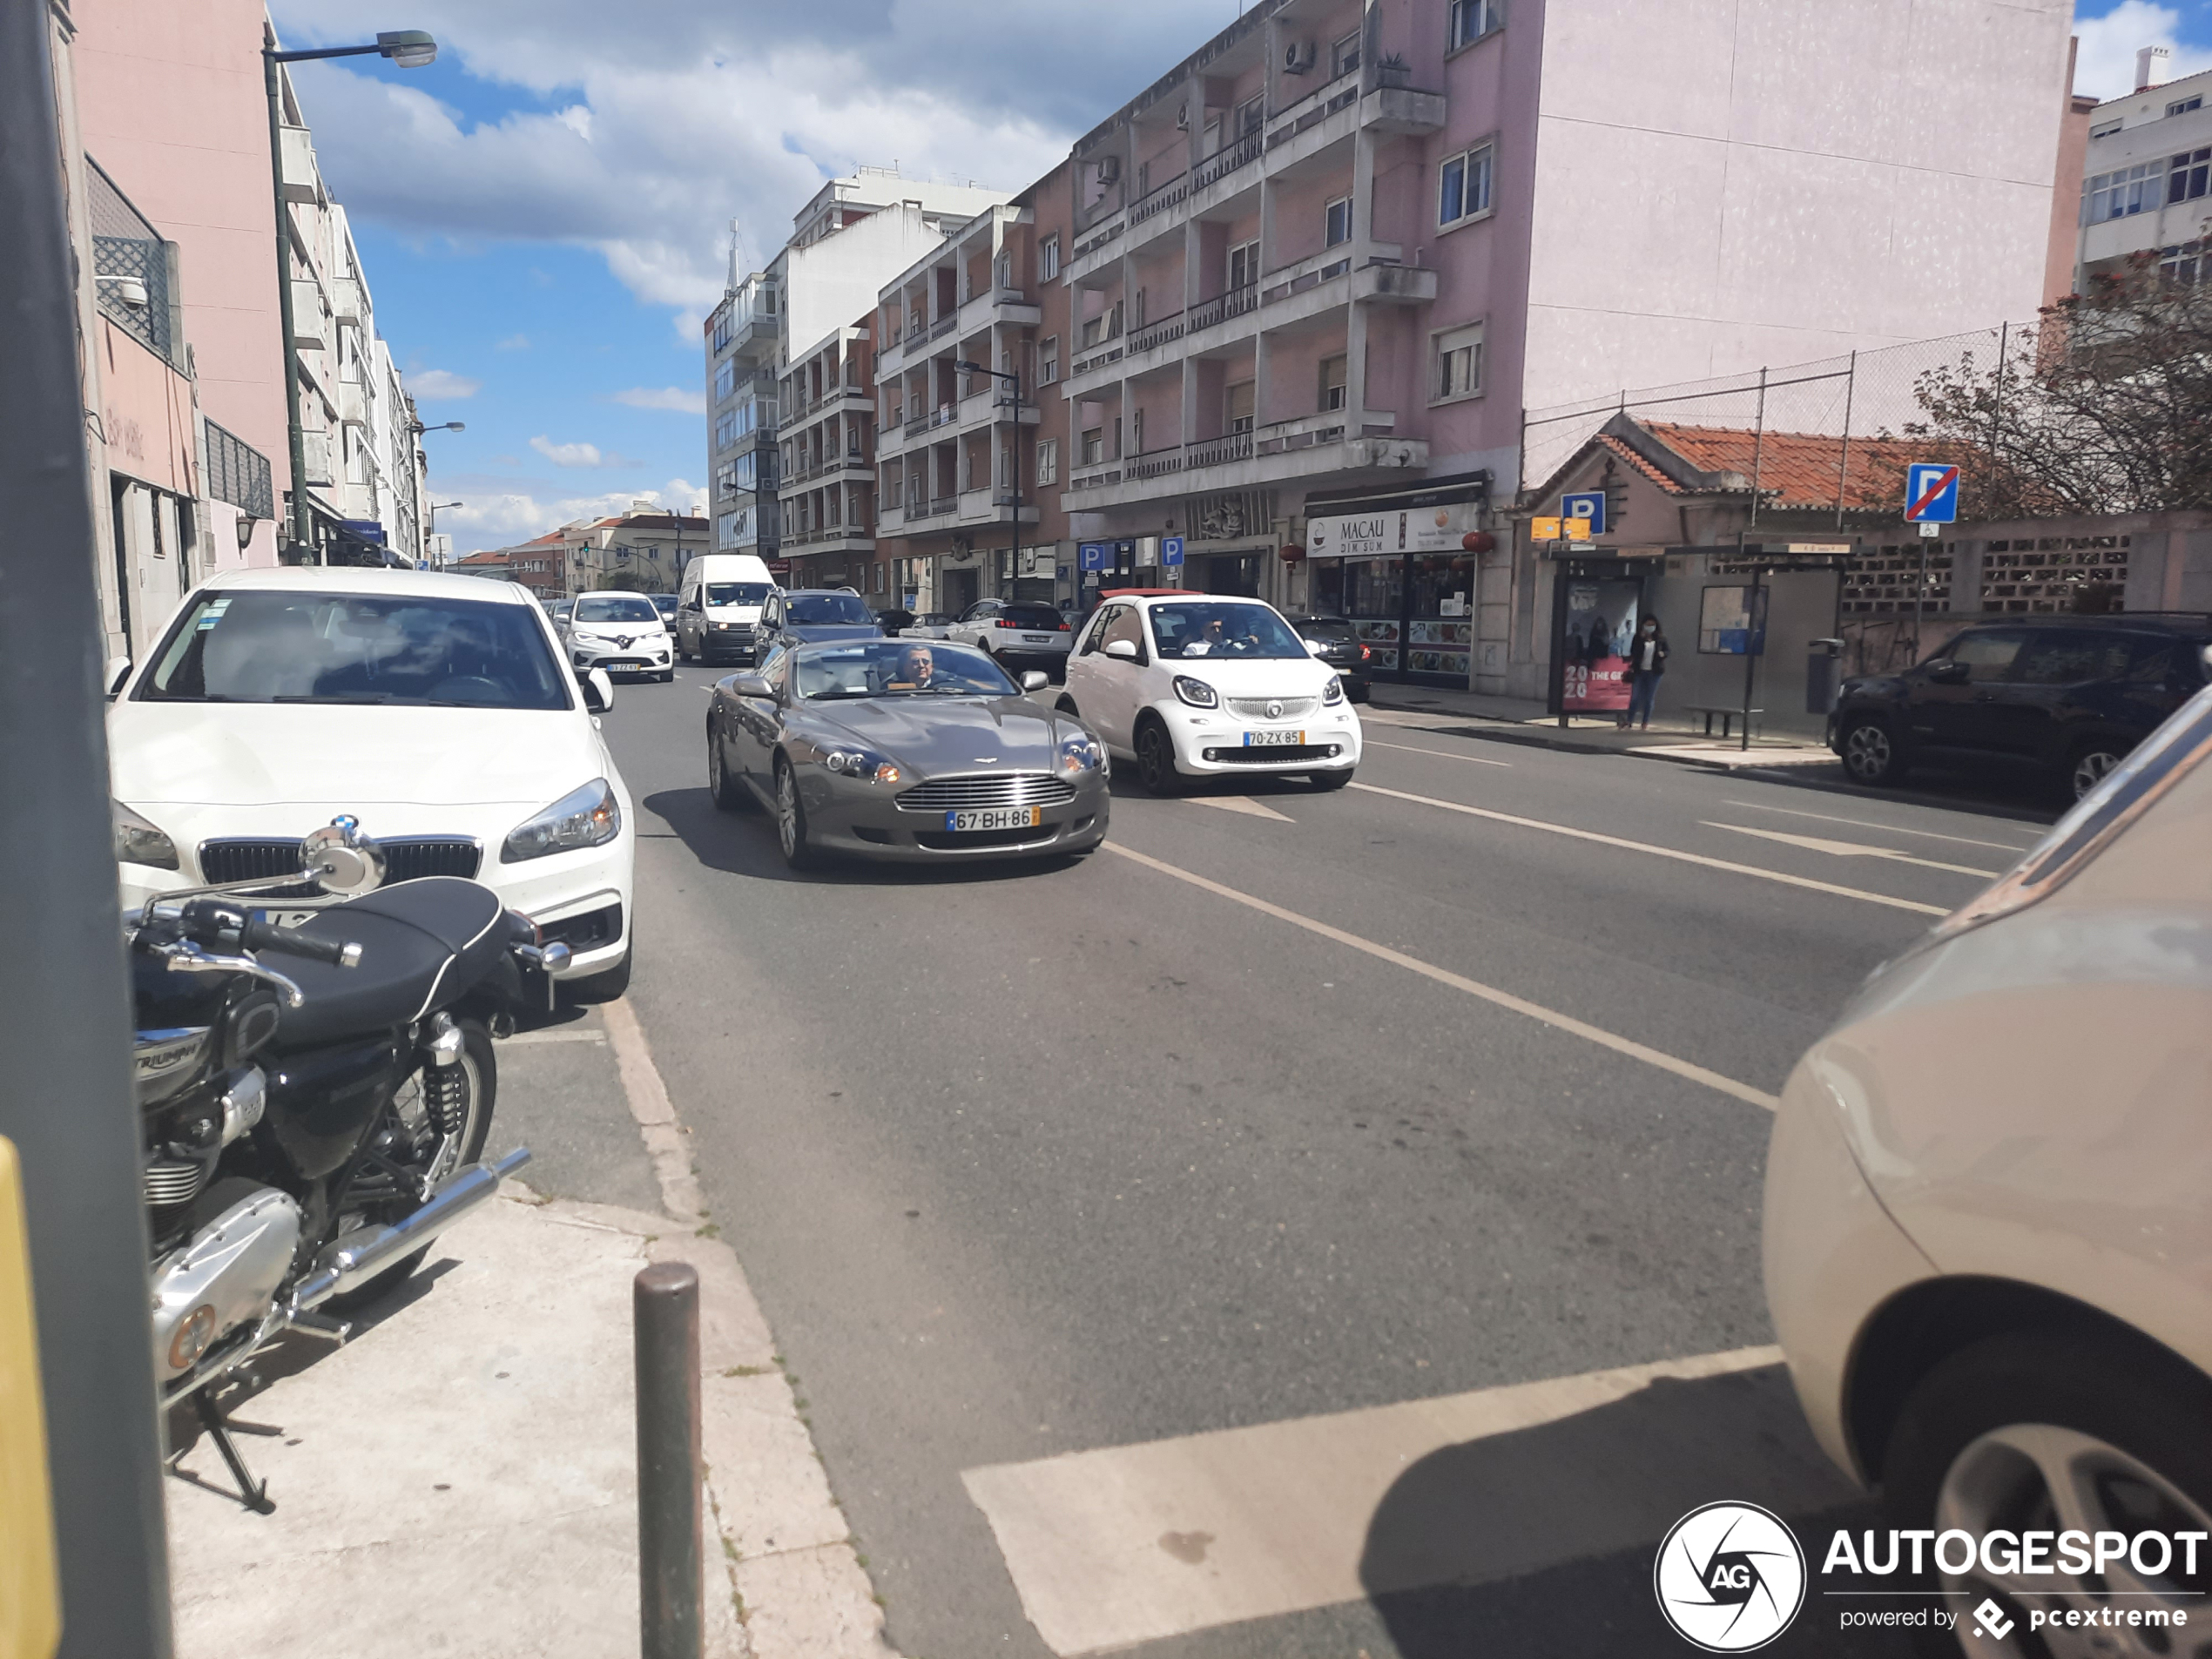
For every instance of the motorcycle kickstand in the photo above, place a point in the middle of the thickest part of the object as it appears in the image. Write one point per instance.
(252, 1494)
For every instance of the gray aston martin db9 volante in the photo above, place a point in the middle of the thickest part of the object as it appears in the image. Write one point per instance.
(905, 749)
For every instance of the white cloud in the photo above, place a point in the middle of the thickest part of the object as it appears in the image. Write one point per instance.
(645, 142)
(441, 385)
(674, 398)
(514, 342)
(502, 519)
(2105, 67)
(572, 454)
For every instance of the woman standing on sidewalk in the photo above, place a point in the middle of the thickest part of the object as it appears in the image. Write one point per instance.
(1647, 662)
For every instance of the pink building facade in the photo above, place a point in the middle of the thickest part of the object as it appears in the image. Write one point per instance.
(1319, 269)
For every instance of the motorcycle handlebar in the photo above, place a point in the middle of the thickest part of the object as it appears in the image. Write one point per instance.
(258, 935)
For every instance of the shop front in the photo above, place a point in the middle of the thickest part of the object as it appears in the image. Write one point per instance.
(1400, 571)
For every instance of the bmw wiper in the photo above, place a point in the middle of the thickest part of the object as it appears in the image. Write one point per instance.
(361, 698)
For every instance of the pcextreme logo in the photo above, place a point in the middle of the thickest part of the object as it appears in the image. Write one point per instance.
(1730, 1577)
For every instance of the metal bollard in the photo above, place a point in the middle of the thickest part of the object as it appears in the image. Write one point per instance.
(666, 1302)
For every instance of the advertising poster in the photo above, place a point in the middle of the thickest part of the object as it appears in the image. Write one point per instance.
(1592, 645)
(1725, 627)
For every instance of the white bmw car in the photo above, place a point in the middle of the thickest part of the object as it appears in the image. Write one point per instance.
(1191, 685)
(438, 710)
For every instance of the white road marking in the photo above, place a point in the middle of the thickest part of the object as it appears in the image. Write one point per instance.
(557, 1036)
(1847, 849)
(1124, 1544)
(1244, 804)
(1892, 829)
(1441, 754)
(1662, 852)
(1551, 1017)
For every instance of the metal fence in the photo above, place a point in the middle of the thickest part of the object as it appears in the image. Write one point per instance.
(238, 473)
(1862, 395)
(130, 267)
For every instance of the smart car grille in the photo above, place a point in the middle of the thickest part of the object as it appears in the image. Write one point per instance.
(404, 860)
(1274, 708)
(988, 789)
(1275, 755)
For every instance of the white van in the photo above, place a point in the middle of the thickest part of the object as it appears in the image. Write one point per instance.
(718, 606)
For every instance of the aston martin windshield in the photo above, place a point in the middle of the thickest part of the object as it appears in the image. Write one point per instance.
(896, 668)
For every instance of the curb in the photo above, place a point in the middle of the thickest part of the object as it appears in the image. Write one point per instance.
(792, 1568)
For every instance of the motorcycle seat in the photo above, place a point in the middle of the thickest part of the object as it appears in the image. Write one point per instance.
(425, 944)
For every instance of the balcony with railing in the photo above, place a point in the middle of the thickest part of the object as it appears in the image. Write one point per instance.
(1007, 306)
(1313, 446)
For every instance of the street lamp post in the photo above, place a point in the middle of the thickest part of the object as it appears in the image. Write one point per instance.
(410, 49)
(1015, 376)
(437, 507)
(421, 471)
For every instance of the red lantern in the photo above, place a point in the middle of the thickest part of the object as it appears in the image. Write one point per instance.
(1479, 541)
(1293, 553)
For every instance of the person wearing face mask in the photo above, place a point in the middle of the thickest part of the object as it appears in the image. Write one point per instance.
(1647, 662)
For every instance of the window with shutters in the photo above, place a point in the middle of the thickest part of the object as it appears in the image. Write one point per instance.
(1457, 370)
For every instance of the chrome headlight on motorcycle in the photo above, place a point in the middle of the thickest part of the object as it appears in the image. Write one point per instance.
(137, 841)
(590, 817)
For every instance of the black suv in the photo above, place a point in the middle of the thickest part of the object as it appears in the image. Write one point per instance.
(1341, 651)
(2065, 696)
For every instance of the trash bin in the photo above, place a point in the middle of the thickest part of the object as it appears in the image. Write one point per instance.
(1824, 674)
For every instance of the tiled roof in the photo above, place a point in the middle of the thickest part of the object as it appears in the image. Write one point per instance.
(1796, 468)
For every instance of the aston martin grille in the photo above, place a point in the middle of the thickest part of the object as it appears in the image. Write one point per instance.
(967, 793)
(1274, 708)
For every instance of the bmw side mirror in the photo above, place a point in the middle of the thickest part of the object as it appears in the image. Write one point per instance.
(598, 692)
(117, 671)
(1035, 680)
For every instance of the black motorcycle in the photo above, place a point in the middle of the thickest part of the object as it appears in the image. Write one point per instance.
(307, 1133)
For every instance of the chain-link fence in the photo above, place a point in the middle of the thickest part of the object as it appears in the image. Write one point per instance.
(1862, 395)
(131, 266)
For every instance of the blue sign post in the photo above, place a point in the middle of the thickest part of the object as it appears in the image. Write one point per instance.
(1590, 505)
(1172, 552)
(1095, 555)
(1930, 493)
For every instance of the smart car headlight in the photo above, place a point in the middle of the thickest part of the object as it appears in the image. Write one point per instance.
(1333, 693)
(1196, 693)
(863, 763)
(1082, 752)
(137, 841)
(590, 817)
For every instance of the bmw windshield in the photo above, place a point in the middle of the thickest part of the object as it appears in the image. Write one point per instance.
(892, 667)
(245, 646)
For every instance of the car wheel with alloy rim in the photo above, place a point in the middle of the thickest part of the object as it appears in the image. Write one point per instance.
(1156, 767)
(730, 794)
(2054, 1430)
(2091, 762)
(1870, 754)
(791, 820)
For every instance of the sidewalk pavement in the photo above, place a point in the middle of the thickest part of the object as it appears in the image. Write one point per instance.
(460, 1478)
(1678, 737)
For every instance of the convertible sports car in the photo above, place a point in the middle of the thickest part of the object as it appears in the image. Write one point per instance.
(904, 749)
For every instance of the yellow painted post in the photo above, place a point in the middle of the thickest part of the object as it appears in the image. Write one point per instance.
(30, 1619)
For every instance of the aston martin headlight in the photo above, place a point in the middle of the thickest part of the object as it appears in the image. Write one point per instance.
(862, 764)
(1081, 753)
(138, 842)
(1333, 693)
(1196, 693)
(590, 817)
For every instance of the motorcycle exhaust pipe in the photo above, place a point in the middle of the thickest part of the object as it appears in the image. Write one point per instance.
(349, 1268)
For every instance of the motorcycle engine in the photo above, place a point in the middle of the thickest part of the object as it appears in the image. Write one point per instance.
(226, 1275)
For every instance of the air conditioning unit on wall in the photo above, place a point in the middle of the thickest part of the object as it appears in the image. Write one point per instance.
(1298, 56)
(1109, 170)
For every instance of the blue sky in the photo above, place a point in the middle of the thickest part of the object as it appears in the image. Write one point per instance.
(544, 213)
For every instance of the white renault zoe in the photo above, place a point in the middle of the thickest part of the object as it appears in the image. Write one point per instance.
(1191, 685)
(434, 709)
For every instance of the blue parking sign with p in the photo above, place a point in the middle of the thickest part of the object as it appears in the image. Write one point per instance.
(1095, 555)
(1930, 493)
(1590, 505)
(1171, 552)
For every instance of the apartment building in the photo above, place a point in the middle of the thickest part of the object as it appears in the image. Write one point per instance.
(2147, 184)
(644, 550)
(1329, 258)
(968, 471)
(845, 243)
(826, 458)
(172, 100)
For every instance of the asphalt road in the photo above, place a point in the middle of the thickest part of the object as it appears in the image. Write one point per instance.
(1040, 1160)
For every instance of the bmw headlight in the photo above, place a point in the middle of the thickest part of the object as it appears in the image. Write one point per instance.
(1333, 693)
(1081, 753)
(1196, 693)
(590, 817)
(867, 766)
(137, 841)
